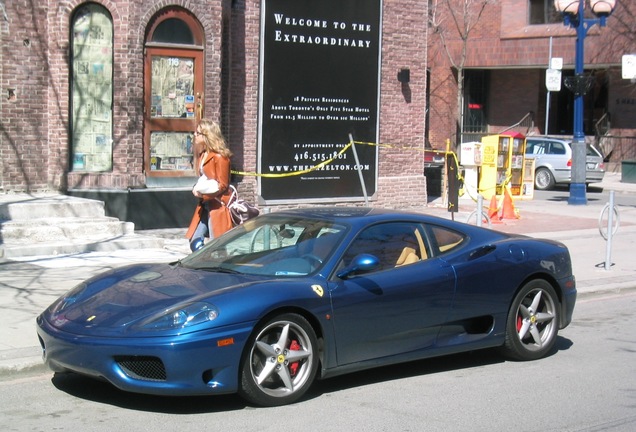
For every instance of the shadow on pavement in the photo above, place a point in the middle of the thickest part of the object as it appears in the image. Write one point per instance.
(105, 393)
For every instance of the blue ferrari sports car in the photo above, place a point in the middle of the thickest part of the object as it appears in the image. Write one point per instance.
(294, 295)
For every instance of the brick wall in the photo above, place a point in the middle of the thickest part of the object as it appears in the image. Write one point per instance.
(24, 123)
(35, 61)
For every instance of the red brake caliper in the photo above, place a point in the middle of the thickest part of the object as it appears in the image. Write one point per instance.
(519, 323)
(293, 368)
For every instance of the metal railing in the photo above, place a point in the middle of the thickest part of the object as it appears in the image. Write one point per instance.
(601, 135)
(524, 126)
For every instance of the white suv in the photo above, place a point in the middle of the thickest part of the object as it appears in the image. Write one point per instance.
(553, 162)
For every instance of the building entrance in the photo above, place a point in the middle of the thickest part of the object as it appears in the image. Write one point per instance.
(173, 93)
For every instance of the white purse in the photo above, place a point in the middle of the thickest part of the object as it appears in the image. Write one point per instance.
(206, 186)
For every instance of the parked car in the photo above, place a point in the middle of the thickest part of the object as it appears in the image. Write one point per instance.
(293, 294)
(553, 162)
(434, 158)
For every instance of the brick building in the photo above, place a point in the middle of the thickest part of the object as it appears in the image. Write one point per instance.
(507, 54)
(80, 111)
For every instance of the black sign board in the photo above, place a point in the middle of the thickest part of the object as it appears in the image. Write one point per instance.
(320, 69)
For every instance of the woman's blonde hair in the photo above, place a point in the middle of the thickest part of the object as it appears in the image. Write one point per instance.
(213, 137)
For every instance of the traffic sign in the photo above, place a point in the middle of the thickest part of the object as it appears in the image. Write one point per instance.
(553, 80)
(629, 66)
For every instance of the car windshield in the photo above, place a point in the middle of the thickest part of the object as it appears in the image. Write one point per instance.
(271, 245)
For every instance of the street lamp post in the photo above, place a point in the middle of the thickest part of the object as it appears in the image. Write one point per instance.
(573, 11)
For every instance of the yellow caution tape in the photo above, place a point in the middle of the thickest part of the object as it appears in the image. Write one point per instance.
(324, 163)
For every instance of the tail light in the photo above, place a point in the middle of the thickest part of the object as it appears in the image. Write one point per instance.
(570, 163)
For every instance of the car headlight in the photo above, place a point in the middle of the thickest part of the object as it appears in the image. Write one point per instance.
(181, 316)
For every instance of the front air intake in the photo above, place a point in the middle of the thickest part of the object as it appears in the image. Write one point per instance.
(142, 367)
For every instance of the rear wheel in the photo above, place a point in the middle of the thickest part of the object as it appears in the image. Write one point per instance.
(533, 321)
(543, 179)
(280, 362)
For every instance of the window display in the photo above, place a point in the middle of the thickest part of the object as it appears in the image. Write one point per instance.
(171, 151)
(92, 90)
(172, 87)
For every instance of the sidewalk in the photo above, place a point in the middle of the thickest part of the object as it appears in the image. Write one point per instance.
(28, 285)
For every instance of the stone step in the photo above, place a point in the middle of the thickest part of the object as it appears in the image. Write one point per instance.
(54, 224)
(58, 229)
(66, 247)
(29, 207)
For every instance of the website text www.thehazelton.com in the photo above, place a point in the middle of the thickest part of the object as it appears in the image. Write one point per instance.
(328, 167)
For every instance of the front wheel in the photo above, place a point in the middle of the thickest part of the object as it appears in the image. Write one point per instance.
(280, 361)
(533, 322)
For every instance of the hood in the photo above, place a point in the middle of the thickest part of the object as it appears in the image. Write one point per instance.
(111, 302)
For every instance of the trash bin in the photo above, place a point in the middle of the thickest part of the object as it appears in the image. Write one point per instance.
(628, 171)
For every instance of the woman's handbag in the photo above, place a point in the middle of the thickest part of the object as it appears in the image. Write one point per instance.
(240, 210)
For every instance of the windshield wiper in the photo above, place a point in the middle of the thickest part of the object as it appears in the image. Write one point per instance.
(218, 269)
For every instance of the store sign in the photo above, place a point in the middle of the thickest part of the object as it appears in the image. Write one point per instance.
(320, 71)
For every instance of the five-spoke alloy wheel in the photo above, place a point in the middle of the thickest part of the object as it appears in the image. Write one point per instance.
(280, 361)
(533, 321)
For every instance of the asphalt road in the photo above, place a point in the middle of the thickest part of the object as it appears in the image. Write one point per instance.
(586, 385)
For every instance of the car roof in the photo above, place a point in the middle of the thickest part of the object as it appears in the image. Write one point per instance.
(331, 212)
(361, 216)
(547, 138)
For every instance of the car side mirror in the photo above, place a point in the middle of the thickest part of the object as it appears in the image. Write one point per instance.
(361, 263)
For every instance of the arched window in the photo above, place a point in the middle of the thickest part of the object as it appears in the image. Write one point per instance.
(173, 30)
(91, 89)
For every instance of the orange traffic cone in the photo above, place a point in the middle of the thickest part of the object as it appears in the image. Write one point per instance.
(493, 210)
(508, 211)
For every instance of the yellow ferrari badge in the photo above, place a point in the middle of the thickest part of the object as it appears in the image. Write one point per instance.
(318, 290)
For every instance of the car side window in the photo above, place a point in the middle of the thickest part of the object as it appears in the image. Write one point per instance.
(557, 148)
(445, 240)
(395, 244)
(535, 148)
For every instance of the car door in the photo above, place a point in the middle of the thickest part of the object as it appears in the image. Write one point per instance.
(559, 157)
(400, 307)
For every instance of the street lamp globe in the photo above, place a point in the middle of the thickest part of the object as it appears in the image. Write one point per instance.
(602, 7)
(567, 6)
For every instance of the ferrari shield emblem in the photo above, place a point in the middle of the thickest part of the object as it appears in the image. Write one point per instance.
(318, 290)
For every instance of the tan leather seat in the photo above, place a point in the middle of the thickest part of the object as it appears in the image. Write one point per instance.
(408, 256)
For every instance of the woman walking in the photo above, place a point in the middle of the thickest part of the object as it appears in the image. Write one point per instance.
(212, 158)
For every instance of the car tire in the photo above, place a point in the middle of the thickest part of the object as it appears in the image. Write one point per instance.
(280, 361)
(532, 325)
(543, 179)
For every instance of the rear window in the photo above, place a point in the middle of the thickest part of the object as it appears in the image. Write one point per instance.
(591, 151)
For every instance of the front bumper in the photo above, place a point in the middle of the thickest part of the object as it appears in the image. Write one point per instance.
(199, 363)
